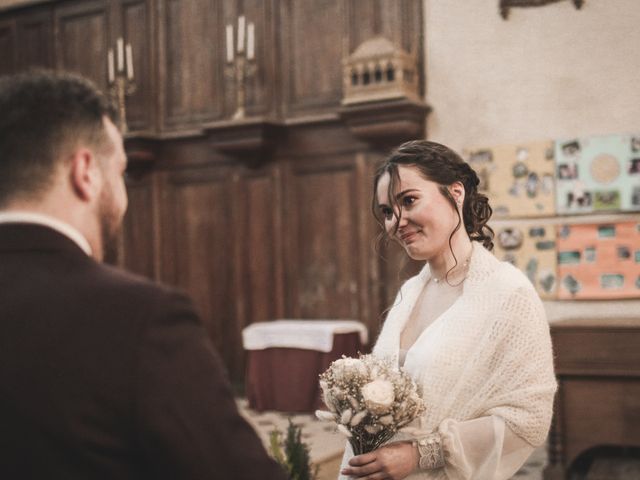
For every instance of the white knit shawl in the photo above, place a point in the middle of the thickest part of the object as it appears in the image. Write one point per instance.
(488, 354)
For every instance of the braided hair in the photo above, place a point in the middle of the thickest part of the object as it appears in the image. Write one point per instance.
(443, 166)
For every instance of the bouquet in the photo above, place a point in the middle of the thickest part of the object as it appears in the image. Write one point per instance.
(369, 400)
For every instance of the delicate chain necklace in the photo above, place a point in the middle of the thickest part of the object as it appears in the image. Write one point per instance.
(464, 268)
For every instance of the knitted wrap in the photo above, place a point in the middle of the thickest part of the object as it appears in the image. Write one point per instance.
(489, 354)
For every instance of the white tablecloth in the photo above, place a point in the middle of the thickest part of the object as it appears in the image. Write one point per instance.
(305, 334)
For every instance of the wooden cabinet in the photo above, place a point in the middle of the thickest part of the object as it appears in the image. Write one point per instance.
(261, 217)
(598, 401)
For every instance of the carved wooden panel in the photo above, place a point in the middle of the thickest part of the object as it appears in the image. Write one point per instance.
(199, 251)
(140, 235)
(313, 48)
(137, 29)
(258, 235)
(192, 46)
(321, 217)
(82, 39)
(7, 46)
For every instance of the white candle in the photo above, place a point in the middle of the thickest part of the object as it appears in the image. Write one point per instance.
(250, 41)
(241, 34)
(110, 66)
(129, 62)
(120, 55)
(229, 43)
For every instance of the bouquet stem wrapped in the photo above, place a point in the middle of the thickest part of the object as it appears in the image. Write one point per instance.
(369, 400)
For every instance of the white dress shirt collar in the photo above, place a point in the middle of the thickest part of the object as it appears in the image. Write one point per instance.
(20, 216)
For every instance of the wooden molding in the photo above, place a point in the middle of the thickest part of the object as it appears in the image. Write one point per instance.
(250, 140)
(386, 123)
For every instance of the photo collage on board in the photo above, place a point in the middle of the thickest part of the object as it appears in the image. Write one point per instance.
(533, 186)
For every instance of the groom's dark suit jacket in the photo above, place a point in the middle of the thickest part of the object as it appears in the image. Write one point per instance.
(104, 375)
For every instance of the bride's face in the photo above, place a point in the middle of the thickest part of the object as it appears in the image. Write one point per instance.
(426, 217)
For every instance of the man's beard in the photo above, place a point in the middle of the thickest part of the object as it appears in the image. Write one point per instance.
(110, 221)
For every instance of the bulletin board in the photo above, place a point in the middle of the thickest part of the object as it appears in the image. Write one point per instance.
(598, 174)
(531, 247)
(518, 179)
(599, 261)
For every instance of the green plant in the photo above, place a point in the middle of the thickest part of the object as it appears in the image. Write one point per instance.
(293, 453)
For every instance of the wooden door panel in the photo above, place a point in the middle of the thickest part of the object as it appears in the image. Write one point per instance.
(193, 48)
(83, 38)
(35, 39)
(323, 221)
(139, 229)
(313, 35)
(262, 262)
(199, 248)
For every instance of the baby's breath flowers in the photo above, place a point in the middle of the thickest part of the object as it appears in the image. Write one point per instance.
(369, 400)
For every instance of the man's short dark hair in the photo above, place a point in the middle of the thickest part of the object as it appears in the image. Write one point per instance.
(44, 114)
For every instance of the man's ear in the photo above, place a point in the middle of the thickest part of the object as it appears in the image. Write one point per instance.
(457, 191)
(86, 178)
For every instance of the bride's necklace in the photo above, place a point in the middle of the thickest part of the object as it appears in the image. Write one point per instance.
(464, 269)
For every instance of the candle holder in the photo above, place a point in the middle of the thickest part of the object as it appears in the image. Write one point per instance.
(241, 63)
(240, 70)
(121, 80)
(119, 89)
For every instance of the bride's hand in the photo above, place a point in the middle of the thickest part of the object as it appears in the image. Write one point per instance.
(394, 462)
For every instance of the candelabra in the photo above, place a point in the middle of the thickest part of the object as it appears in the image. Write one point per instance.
(241, 64)
(121, 79)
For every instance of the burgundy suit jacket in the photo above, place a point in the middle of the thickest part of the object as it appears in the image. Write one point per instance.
(104, 375)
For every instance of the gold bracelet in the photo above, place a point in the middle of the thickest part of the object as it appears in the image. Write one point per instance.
(431, 454)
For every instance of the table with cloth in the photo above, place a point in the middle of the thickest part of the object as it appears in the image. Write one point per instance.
(285, 357)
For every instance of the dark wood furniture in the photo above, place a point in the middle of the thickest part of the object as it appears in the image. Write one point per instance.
(598, 402)
(264, 217)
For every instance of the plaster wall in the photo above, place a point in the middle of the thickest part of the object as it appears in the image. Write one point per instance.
(547, 72)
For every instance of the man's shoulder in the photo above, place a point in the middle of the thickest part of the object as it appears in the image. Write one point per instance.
(113, 283)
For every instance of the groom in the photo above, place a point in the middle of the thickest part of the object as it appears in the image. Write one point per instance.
(103, 375)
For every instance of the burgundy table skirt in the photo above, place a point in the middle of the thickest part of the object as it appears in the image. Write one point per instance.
(286, 379)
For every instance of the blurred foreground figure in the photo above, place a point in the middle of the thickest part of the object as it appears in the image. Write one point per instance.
(102, 374)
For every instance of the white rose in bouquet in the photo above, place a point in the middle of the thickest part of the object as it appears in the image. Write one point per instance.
(378, 396)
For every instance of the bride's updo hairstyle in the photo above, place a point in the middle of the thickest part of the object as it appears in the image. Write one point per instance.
(441, 165)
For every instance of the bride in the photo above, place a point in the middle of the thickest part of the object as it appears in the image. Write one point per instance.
(469, 329)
